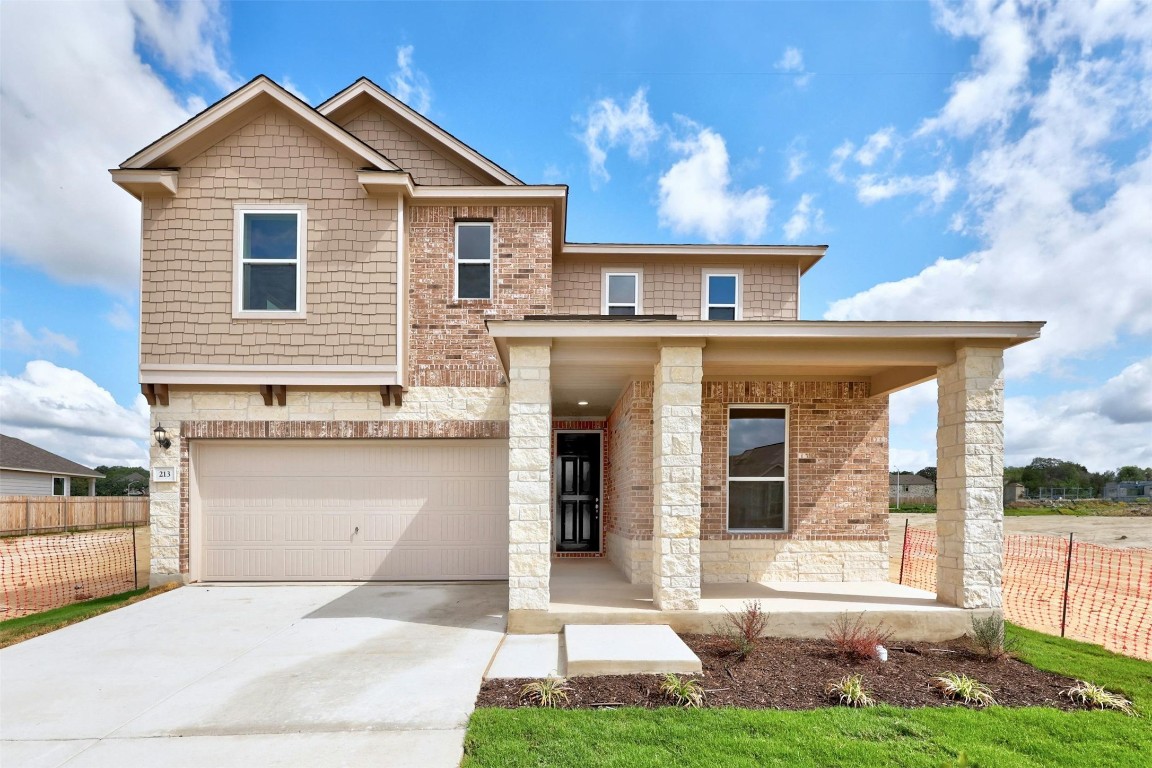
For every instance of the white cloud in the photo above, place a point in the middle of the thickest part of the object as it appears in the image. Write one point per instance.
(840, 156)
(696, 194)
(292, 88)
(792, 60)
(938, 186)
(875, 146)
(120, 319)
(607, 125)
(190, 37)
(1126, 398)
(1060, 214)
(63, 411)
(409, 84)
(796, 158)
(75, 100)
(805, 218)
(13, 335)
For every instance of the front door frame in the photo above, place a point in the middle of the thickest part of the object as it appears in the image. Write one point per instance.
(556, 492)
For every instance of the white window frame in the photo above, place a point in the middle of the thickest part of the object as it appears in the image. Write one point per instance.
(705, 299)
(606, 273)
(67, 490)
(787, 465)
(457, 261)
(238, 261)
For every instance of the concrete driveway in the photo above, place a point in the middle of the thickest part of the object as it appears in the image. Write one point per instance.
(379, 675)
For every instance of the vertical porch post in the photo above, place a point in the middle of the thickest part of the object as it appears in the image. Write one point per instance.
(970, 478)
(676, 421)
(529, 472)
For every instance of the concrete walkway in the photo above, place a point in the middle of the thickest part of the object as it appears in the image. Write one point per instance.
(256, 675)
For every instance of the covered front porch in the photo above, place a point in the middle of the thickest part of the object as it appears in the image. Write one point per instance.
(678, 550)
(593, 591)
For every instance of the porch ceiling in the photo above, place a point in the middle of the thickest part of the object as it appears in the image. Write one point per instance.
(592, 360)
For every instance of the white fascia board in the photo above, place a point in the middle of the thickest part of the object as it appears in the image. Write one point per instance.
(299, 375)
(138, 183)
(523, 192)
(648, 249)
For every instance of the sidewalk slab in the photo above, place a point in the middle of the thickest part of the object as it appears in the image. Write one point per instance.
(534, 656)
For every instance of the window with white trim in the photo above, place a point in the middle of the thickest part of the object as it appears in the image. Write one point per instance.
(473, 260)
(721, 299)
(621, 293)
(757, 468)
(270, 243)
(59, 486)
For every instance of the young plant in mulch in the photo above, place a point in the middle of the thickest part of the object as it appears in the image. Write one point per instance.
(742, 630)
(850, 692)
(855, 640)
(1090, 695)
(962, 688)
(990, 639)
(683, 691)
(548, 692)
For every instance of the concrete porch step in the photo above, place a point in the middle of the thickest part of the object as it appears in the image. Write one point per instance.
(626, 649)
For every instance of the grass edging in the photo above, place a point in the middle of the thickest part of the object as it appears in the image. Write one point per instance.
(882, 736)
(23, 628)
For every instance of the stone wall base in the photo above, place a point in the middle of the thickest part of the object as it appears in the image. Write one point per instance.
(632, 557)
(741, 560)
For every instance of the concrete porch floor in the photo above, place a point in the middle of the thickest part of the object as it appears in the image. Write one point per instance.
(592, 591)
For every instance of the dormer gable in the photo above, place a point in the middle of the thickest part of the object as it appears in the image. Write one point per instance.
(412, 141)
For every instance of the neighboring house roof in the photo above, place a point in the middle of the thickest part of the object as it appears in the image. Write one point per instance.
(909, 480)
(18, 455)
(761, 461)
(364, 92)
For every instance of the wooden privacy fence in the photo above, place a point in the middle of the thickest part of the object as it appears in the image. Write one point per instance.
(24, 515)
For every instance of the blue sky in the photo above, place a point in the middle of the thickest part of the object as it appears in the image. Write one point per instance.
(962, 160)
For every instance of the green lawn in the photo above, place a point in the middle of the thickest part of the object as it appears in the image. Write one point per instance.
(25, 627)
(884, 736)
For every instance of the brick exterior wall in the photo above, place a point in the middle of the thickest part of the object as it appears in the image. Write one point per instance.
(670, 288)
(837, 463)
(628, 477)
(415, 155)
(449, 343)
(186, 301)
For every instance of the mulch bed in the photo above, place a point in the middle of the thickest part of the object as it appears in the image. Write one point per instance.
(791, 674)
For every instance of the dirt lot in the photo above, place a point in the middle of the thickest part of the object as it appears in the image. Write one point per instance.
(1108, 531)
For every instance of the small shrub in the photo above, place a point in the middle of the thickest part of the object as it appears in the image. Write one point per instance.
(963, 688)
(990, 639)
(548, 692)
(850, 692)
(684, 691)
(855, 640)
(1089, 695)
(742, 630)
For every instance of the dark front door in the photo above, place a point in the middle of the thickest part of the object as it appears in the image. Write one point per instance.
(578, 491)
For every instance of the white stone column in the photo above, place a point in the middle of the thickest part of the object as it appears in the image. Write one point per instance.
(676, 419)
(970, 479)
(529, 473)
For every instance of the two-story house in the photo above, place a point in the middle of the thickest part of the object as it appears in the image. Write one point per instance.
(375, 356)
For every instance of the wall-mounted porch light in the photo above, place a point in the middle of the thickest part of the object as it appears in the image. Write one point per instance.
(162, 437)
(582, 402)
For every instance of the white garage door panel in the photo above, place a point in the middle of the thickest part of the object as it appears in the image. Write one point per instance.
(351, 510)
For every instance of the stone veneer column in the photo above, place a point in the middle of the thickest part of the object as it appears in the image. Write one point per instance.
(676, 420)
(969, 479)
(529, 474)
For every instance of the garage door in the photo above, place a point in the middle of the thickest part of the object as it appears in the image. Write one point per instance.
(347, 510)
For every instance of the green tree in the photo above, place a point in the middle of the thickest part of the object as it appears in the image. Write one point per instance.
(1131, 472)
(118, 481)
(929, 473)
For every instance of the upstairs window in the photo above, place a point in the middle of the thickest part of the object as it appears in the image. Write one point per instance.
(757, 468)
(269, 261)
(721, 296)
(621, 293)
(474, 260)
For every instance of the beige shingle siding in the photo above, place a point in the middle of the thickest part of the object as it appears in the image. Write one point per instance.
(672, 288)
(188, 256)
(427, 165)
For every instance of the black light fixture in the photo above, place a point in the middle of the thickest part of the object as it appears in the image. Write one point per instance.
(162, 437)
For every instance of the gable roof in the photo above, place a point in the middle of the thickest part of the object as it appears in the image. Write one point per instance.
(234, 110)
(25, 457)
(363, 93)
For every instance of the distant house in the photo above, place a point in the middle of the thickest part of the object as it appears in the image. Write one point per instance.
(26, 470)
(1014, 492)
(912, 488)
(1128, 489)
